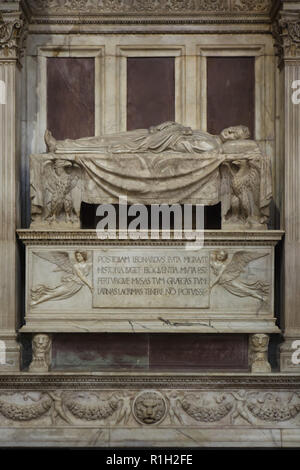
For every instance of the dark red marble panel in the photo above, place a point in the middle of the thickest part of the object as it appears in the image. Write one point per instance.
(230, 93)
(71, 97)
(198, 352)
(99, 351)
(150, 91)
(176, 352)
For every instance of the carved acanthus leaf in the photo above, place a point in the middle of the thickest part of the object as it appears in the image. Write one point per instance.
(286, 33)
(12, 37)
(252, 5)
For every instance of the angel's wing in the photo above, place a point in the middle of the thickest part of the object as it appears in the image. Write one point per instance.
(60, 258)
(238, 263)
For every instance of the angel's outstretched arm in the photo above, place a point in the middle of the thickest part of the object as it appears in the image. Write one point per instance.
(82, 277)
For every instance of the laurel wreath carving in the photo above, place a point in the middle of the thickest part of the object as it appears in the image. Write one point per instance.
(206, 414)
(18, 412)
(272, 413)
(91, 412)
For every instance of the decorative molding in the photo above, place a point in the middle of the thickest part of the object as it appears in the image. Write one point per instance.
(147, 12)
(251, 6)
(111, 7)
(89, 237)
(168, 408)
(140, 381)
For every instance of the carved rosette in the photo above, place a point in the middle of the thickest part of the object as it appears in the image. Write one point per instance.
(12, 37)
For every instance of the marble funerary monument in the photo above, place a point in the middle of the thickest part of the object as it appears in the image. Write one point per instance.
(79, 130)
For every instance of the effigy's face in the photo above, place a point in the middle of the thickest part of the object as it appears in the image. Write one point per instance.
(235, 133)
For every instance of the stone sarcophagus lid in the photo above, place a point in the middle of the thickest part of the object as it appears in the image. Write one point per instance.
(215, 282)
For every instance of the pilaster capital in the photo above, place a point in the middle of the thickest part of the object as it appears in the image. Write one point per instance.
(286, 30)
(13, 32)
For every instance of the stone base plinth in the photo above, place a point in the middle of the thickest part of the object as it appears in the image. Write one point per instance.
(149, 410)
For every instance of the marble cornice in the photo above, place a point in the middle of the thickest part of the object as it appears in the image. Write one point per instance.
(136, 380)
(146, 11)
(89, 237)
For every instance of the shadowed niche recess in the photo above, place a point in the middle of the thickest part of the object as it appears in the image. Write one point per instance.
(230, 93)
(71, 97)
(150, 91)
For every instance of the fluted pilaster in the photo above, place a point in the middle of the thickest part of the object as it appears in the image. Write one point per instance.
(11, 33)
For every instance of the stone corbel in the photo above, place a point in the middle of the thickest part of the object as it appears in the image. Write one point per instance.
(41, 353)
(258, 353)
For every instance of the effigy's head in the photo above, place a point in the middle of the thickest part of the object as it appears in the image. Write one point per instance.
(235, 133)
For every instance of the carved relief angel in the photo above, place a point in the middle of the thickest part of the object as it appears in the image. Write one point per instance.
(61, 177)
(76, 276)
(228, 272)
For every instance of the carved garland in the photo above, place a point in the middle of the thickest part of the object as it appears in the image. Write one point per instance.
(149, 407)
(25, 412)
(90, 412)
(204, 413)
(273, 413)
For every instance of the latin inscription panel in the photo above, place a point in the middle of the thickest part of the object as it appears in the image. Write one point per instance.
(151, 278)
